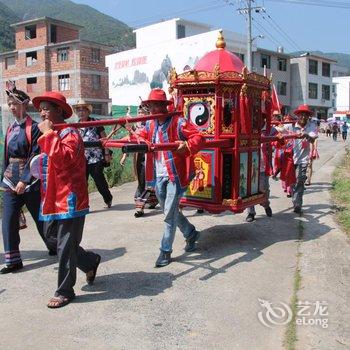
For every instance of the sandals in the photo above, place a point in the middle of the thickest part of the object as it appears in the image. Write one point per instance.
(59, 301)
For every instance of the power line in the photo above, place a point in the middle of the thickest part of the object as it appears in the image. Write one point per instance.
(318, 3)
(194, 9)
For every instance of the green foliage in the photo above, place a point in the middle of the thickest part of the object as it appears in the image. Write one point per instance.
(98, 27)
(115, 173)
(7, 36)
(341, 192)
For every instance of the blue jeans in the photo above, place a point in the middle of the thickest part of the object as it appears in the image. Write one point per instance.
(169, 194)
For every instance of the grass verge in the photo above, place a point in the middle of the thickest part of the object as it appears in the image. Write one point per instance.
(341, 192)
(290, 335)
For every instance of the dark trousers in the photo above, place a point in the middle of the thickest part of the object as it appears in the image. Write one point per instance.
(335, 135)
(96, 172)
(298, 188)
(70, 255)
(12, 204)
(140, 172)
(344, 135)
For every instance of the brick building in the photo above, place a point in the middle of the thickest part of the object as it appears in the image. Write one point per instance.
(50, 55)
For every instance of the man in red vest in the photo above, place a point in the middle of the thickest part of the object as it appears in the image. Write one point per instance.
(170, 171)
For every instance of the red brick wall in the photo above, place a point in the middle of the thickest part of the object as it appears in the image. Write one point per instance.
(62, 65)
(41, 37)
(88, 92)
(66, 34)
(86, 61)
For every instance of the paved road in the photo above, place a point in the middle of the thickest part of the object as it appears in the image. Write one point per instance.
(204, 300)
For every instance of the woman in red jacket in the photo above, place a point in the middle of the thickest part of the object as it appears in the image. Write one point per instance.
(64, 195)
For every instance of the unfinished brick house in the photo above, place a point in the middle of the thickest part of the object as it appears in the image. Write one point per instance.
(50, 55)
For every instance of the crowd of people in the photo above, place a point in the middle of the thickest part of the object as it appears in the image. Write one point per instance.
(47, 170)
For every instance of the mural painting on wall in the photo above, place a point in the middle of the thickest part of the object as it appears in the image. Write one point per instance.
(243, 174)
(255, 173)
(202, 185)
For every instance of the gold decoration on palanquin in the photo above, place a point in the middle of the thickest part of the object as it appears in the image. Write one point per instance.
(243, 143)
(229, 202)
(244, 90)
(216, 70)
(172, 75)
(245, 72)
(253, 198)
(220, 42)
(255, 142)
(227, 129)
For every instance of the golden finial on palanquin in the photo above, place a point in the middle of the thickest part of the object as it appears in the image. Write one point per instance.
(220, 42)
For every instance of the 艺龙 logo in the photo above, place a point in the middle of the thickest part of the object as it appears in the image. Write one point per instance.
(274, 315)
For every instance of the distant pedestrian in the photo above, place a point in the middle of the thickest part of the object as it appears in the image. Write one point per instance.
(344, 131)
(335, 130)
(96, 158)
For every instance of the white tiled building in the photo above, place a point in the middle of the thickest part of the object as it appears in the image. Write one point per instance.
(311, 83)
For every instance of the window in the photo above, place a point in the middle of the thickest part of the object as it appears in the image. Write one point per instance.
(97, 108)
(313, 90)
(333, 89)
(282, 88)
(53, 33)
(96, 81)
(95, 55)
(63, 82)
(265, 61)
(31, 82)
(326, 69)
(313, 67)
(181, 31)
(62, 54)
(9, 62)
(326, 92)
(282, 64)
(240, 55)
(31, 58)
(30, 32)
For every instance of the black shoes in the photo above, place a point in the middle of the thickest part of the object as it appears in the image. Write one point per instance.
(11, 268)
(297, 210)
(268, 211)
(138, 213)
(90, 276)
(52, 252)
(200, 211)
(191, 242)
(250, 218)
(164, 259)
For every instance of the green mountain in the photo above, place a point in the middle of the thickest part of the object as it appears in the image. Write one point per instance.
(342, 59)
(7, 37)
(97, 26)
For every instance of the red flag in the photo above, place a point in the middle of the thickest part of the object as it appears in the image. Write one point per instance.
(276, 104)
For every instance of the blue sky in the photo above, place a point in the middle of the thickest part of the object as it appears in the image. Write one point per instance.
(293, 26)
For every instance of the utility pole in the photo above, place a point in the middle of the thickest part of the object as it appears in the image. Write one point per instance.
(248, 12)
(249, 36)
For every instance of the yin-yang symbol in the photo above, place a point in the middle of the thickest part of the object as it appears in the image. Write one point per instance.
(199, 114)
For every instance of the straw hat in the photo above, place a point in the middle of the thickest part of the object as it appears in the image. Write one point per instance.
(82, 103)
